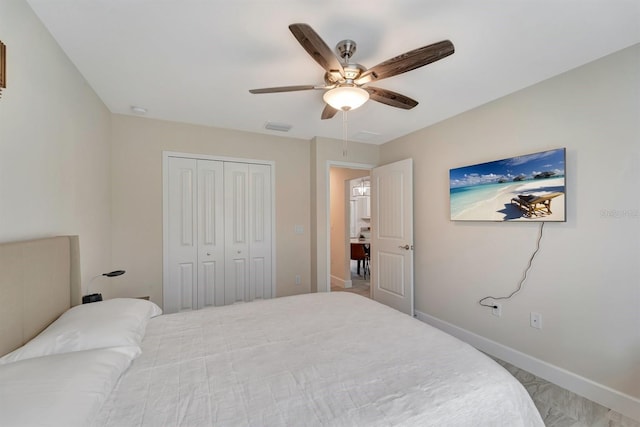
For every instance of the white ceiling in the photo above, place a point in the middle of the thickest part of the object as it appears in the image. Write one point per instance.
(195, 60)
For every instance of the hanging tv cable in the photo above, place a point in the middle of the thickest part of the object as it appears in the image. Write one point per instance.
(522, 280)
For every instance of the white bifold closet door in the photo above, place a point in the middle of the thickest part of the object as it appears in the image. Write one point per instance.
(247, 232)
(219, 233)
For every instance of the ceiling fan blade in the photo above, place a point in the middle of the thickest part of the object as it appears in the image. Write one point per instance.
(407, 61)
(316, 47)
(285, 89)
(391, 98)
(328, 112)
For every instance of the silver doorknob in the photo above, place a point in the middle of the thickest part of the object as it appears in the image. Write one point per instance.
(239, 252)
(208, 253)
(405, 247)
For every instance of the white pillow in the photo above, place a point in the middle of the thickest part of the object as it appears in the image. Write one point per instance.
(60, 390)
(110, 323)
(155, 310)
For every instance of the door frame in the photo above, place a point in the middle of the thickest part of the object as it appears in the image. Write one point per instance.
(165, 207)
(326, 286)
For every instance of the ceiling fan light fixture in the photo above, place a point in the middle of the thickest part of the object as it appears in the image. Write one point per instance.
(346, 98)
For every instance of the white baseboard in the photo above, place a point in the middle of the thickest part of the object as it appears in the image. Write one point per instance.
(337, 281)
(626, 405)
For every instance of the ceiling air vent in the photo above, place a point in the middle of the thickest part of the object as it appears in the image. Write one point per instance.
(365, 136)
(282, 127)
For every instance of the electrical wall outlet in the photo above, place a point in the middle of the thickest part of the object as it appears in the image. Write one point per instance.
(535, 320)
(497, 311)
(298, 280)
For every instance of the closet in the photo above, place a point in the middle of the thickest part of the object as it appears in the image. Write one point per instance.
(217, 231)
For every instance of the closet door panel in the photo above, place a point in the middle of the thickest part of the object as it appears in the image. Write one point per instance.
(236, 206)
(257, 273)
(210, 233)
(238, 271)
(180, 290)
(210, 285)
(260, 217)
(186, 286)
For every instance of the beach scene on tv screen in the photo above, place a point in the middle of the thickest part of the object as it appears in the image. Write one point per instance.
(523, 188)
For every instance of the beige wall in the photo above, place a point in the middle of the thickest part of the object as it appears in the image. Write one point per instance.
(54, 145)
(324, 154)
(137, 146)
(584, 280)
(339, 219)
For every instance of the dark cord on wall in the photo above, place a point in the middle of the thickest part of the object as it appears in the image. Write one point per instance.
(524, 275)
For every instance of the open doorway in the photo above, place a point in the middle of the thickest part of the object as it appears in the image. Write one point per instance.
(349, 214)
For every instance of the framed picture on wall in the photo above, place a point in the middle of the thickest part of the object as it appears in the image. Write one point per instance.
(530, 187)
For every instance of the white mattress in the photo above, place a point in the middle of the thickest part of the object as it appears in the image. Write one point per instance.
(335, 359)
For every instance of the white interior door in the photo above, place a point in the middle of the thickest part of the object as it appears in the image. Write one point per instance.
(392, 235)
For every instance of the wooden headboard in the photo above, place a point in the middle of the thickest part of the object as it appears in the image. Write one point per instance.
(39, 280)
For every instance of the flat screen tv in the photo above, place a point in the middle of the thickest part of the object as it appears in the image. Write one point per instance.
(523, 188)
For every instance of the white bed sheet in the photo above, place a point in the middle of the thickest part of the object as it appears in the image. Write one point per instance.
(334, 359)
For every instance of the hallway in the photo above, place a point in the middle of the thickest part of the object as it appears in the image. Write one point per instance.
(360, 285)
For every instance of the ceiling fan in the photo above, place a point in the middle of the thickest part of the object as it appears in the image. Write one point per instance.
(346, 83)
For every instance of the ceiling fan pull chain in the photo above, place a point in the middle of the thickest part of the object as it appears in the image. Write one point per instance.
(344, 133)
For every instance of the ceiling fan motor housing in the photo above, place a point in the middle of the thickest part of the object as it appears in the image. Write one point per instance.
(351, 72)
(346, 49)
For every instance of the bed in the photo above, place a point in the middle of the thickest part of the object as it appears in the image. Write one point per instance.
(327, 359)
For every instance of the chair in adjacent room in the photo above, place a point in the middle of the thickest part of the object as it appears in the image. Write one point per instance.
(358, 253)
